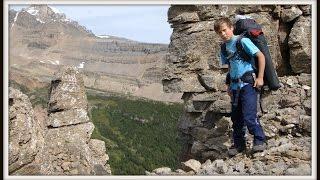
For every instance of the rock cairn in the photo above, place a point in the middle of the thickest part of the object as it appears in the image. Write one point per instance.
(56, 142)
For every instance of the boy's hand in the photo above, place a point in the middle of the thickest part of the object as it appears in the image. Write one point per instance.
(258, 83)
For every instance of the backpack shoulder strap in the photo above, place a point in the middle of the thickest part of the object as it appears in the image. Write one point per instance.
(240, 50)
(223, 48)
(238, 43)
(243, 54)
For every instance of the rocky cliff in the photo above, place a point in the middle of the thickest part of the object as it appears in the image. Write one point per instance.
(193, 68)
(55, 141)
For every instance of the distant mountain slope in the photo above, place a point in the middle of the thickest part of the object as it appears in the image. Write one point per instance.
(41, 39)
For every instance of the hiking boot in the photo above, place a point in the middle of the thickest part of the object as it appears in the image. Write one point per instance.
(234, 151)
(258, 148)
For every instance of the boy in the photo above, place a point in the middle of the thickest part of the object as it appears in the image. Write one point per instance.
(242, 88)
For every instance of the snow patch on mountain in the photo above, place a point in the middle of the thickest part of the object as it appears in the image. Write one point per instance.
(15, 19)
(67, 20)
(32, 10)
(103, 36)
(81, 65)
(40, 20)
(53, 62)
(55, 10)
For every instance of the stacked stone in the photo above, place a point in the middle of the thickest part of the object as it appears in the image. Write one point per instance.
(66, 147)
(69, 148)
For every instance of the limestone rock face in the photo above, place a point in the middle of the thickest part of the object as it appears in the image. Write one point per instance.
(58, 143)
(22, 131)
(67, 91)
(290, 14)
(300, 45)
(194, 69)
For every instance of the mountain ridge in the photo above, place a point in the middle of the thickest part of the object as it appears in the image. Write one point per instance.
(43, 40)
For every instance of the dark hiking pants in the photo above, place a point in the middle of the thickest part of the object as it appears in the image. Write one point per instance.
(244, 114)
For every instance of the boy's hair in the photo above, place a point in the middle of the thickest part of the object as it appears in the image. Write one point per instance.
(220, 21)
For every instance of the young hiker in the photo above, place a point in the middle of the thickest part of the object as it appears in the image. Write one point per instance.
(242, 88)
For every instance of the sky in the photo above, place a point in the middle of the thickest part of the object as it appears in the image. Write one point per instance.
(144, 23)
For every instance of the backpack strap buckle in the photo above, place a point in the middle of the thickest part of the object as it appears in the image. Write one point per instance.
(248, 77)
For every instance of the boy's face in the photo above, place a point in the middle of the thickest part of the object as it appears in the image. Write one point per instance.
(225, 32)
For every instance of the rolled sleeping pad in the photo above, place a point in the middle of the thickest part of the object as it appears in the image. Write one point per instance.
(270, 74)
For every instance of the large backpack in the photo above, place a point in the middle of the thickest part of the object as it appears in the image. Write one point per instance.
(249, 28)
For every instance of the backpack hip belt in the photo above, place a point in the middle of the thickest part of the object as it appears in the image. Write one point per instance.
(248, 77)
